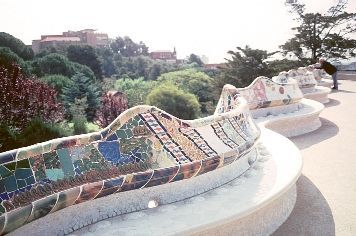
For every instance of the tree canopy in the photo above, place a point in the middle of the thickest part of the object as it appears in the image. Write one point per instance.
(126, 47)
(322, 35)
(245, 65)
(174, 101)
(85, 55)
(16, 45)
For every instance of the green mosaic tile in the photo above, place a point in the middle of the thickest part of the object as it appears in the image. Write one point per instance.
(30, 180)
(23, 173)
(23, 164)
(38, 167)
(121, 134)
(66, 162)
(4, 172)
(10, 183)
(21, 183)
(11, 166)
(54, 174)
(51, 160)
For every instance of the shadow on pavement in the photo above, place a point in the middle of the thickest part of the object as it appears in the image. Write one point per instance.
(311, 214)
(332, 103)
(327, 130)
(341, 91)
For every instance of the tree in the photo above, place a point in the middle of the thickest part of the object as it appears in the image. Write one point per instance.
(195, 82)
(195, 59)
(82, 87)
(278, 66)
(22, 99)
(57, 82)
(136, 90)
(16, 45)
(322, 35)
(245, 65)
(128, 48)
(77, 110)
(58, 64)
(9, 60)
(106, 56)
(85, 55)
(112, 105)
(174, 101)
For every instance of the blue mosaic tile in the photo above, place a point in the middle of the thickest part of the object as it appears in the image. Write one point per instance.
(7, 156)
(110, 151)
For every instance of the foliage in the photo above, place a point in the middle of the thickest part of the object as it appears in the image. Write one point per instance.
(85, 55)
(36, 131)
(126, 47)
(278, 66)
(111, 108)
(8, 139)
(77, 110)
(174, 101)
(322, 35)
(22, 99)
(195, 59)
(9, 59)
(192, 81)
(58, 64)
(39, 131)
(82, 87)
(16, 45)
(136, 90)
(244, 66)
(57, 82)
(106, 56)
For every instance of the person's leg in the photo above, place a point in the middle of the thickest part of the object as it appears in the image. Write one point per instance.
(334, 76)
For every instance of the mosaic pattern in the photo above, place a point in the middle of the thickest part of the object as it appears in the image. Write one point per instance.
(263, 92)
(143, 147)
(304, 78)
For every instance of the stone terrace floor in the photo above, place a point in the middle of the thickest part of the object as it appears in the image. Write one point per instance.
(326, 202)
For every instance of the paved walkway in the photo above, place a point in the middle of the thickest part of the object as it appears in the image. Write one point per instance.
(326, 202)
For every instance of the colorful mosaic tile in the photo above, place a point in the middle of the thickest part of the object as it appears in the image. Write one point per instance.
(144, 147)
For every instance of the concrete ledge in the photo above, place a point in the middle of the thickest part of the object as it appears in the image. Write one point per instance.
(301, 121)
(319, 94)
(326, 83)
(256, 203)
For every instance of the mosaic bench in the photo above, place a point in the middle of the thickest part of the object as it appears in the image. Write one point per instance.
(277, 104)
(308, 84)
(321, 76)
(144, 147)
(255, 203)
(267, 96)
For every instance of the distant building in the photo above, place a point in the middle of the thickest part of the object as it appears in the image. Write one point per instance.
(164, 55)
(82, 37)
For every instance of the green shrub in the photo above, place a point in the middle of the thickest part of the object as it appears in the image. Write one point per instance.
(174, 101)
(37, 131)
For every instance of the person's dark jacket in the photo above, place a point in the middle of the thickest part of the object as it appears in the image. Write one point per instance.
(330, 69)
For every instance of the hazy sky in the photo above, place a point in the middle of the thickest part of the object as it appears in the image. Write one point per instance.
(203, 27)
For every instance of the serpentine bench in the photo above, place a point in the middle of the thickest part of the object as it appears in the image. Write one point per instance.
(321, 76)
(277, 104)
(308, 84)
(144, 147)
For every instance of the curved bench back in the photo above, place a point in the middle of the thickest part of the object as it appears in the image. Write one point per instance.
(143, 147)
(304, 78)
(261, 93)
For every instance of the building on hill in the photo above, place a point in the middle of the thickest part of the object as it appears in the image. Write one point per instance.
(82, 37)
(164, 55)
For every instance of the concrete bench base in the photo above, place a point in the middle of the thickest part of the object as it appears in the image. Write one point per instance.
(319, 94)
(301, 121)
(256, 203)
(326, 83)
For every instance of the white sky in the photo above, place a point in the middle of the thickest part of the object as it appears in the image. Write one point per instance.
(203, 27)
